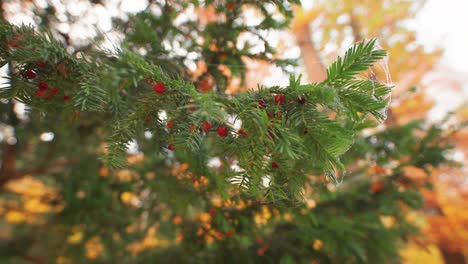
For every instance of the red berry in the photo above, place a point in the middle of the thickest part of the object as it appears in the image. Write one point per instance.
(279, 99)
(147, 120)
(54, 90)
(377, 187)
(206, 126)
(159, 88)
(279, 115)
(212, 212)
(13, 42)
(43, 86)
(171, 147)
(270, 115)
(66, 97)
(169, 125)
(223, 56)
(41, 64)
(271, 134)
(30, 74)
(40, 93)
(262, 103)
(260, 251)
(274, 165)
(242, 132)
(192, 108)
(301, 100)
(229, 233)
(63, 69)
(259, 240)
(222, 131)
(230, 6)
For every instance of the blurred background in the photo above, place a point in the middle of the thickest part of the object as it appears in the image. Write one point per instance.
(427, 63)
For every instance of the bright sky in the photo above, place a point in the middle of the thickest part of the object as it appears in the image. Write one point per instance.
(444, 23)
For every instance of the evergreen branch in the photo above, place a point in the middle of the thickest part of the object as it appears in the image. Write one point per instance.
(357, 59)
(273, 118)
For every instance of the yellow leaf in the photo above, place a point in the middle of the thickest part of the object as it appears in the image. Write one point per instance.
(318, 244)
(414, 173)
(416, 255)
(387, 221)
(94, 247)
(204, 217)
(15, 217)
(75, 238)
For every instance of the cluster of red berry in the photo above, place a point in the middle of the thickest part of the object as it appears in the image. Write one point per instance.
(278, 99)
(223, 131)
(14, 42)
(229, 233)
(43, 90)
(160, 88)
(264, 246)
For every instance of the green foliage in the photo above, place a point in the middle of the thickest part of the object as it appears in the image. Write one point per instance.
(279, 139)
(357, 59)
(266, 201)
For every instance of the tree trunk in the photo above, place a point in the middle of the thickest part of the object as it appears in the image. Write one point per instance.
(313, 64)
(453, 257)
